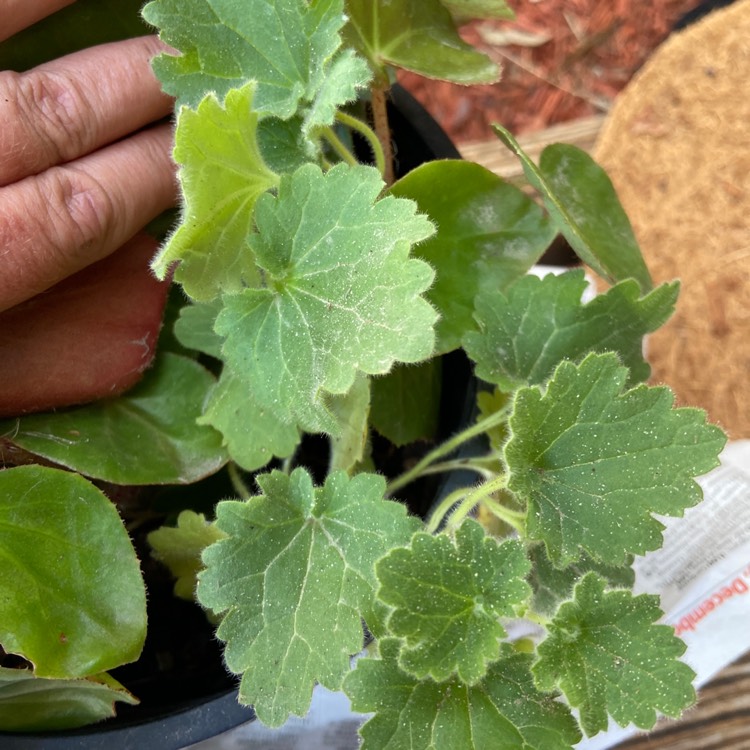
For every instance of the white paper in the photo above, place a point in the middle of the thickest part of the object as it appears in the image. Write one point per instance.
(702, 574)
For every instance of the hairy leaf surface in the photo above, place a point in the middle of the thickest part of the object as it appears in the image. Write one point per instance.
(73, 601)
(537, 323)
(252, 433)
(283, 45)
(35, 704)
(447, 597)
(607, 655)
(489, 234)
(222, 175)
(593, 463)
(418, 35)
(584, 205)
(146, 436)
(553, 585)
(341, 295)
(504, 710)
(293, 577)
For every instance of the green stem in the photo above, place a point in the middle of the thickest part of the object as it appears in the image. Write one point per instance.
(369, 135)
(442, 510)
(338, 146)
(474, 498)
(445, 448)
(511, 517)
(238, 482)
(461, 464)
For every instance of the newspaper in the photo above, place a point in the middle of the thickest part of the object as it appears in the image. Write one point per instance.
(702, 574)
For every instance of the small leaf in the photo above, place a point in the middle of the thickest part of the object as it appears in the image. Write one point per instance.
(537, 323)
(294, 577)
(35, 704)
(418, 35)
(504, 710)
(463, 9)
(283, 45)
(342, 293)
(147, 436)
(553, 585)
(489, 234)
(251, 433)
(194, 328)
(351, 411)
(180, 548)
(447, 597)
(607, 656)
(406, 402)
(593, 463)
(585, 208)
(73, 601)
(221, 175)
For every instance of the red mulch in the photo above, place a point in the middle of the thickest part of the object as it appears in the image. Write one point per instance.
(571, 60)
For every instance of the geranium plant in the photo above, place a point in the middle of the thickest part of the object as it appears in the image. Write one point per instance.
(320, 297)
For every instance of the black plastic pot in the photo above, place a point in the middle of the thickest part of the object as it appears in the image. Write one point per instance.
(199, 701)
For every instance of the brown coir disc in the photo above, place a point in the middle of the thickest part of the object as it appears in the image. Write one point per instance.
(677, 147)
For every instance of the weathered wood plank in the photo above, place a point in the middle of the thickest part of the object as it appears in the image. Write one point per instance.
(720, 720)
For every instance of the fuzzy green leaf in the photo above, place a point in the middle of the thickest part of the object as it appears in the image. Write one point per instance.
(73, 601)
(342, 293)
(584, 205)
(463, 9)
(180, 548)
(222, 175)
(352, 411)
(607, 656)
(283, 45)
(406, 402)
(35, 704)
(489, 234)
(251, 433)
(447, 597)
(194, 328)
(593, 462)
(537, 323)
(504, 710)
(417, 35)
(293, 577)
(146, 436)
(553, 585)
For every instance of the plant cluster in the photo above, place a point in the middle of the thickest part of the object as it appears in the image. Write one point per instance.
(319, 298)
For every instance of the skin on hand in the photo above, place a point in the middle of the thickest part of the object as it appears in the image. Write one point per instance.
(82, 170)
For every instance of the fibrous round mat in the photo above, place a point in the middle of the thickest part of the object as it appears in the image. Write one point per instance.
(677, 147)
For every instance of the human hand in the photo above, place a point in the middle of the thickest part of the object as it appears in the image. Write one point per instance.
(81, 172)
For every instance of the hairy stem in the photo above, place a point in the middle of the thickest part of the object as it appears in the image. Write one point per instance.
(446, 448)
(238, 482)
(382, 129)
(335, 142)
(369, 135)
(479, 495)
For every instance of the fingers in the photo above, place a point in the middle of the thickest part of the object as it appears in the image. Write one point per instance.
(18, 14)
(69, 107)
(57, 222)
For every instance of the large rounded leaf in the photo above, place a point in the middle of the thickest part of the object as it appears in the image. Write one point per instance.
(147, 436)
(489, 234)
(73, 601)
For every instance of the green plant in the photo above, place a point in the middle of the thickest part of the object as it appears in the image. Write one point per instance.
(319, 300)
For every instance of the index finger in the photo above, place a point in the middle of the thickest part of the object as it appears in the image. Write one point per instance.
(18, 14)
